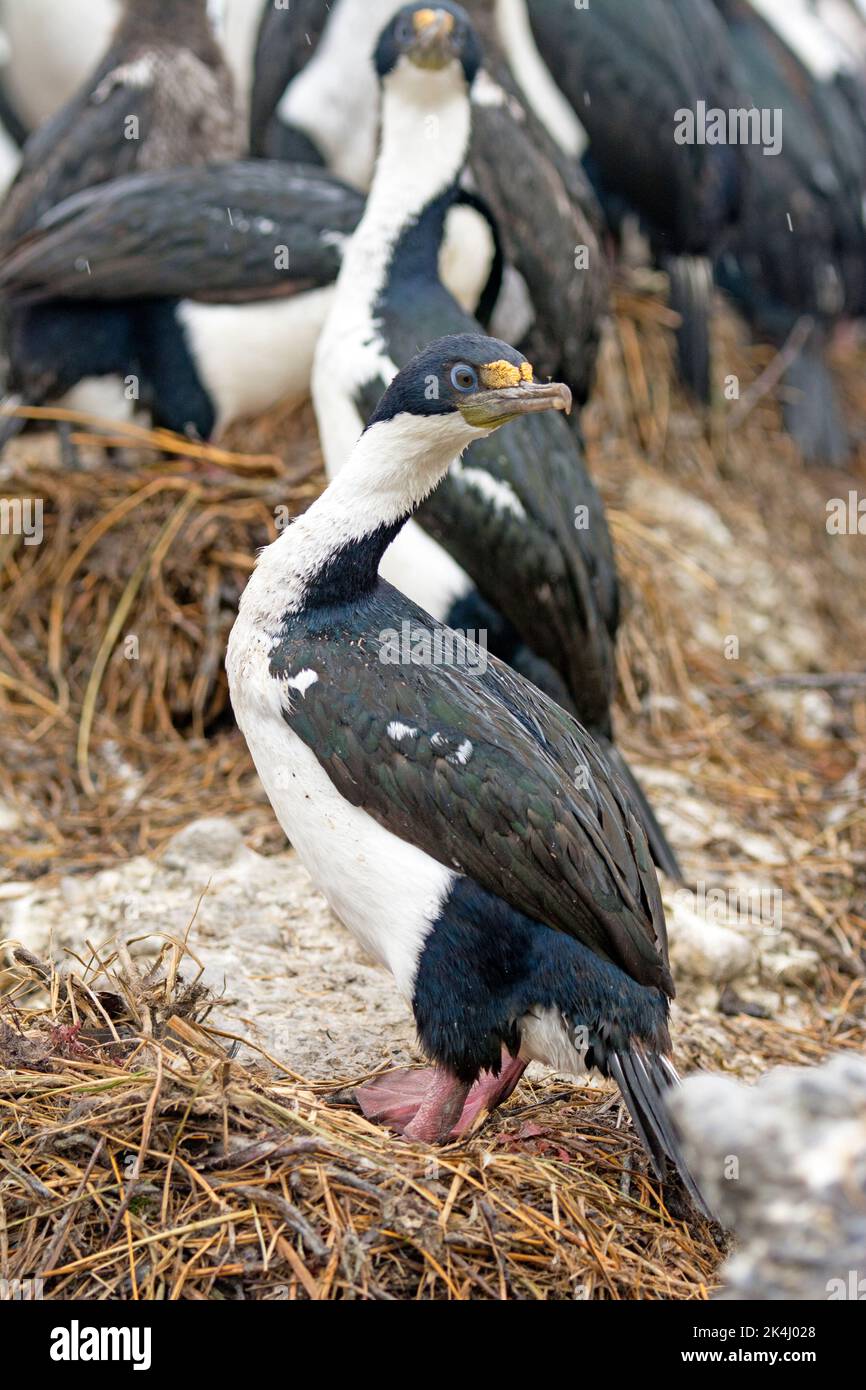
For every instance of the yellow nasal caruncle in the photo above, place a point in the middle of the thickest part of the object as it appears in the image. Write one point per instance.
(422, 18)
(495, 375)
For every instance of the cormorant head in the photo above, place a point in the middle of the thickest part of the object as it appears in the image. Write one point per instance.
(470, 382)
(431, 38)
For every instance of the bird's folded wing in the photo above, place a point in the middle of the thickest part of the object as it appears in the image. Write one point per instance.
(239, 231)
(76, 148)
(487, 776)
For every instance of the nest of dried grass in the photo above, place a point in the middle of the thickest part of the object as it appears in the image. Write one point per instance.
(142, 1158)
(113, 631)
(147, 1163)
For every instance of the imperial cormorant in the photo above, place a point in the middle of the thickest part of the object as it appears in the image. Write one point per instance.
(463, 827)
(515, 542)
(547, 216)
(208, 286)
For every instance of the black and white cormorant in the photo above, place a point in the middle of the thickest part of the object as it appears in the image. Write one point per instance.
(799, 250)
(162, 96)
(547, 216)
(208, 285)
(462, 826)
(515, 542)
(627, 68)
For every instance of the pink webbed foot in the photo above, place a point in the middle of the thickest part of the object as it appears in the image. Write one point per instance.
(431, 1104)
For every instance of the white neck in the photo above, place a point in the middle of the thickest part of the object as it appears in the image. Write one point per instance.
(393, 467)
(426, 125)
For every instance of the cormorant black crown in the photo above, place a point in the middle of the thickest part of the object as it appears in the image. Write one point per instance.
(430, 35)
(447, 371)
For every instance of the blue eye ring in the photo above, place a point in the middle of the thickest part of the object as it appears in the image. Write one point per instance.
(463, 377)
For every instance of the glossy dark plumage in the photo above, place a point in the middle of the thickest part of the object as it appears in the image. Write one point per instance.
(555, 907)
(627, 68)
(207, 233)
(558, 905)
(517, 816)
(549, 568)
(818, 178)
(800, 246)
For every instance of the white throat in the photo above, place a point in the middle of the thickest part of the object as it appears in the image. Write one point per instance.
(393, 467)
(426, 126)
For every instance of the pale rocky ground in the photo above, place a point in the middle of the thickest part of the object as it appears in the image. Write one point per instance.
(784, 1165)
(295, 982)
(296, 985)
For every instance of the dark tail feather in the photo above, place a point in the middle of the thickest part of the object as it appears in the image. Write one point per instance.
(691, 296)
(663, 855)
(811, 407)
(643, 1079)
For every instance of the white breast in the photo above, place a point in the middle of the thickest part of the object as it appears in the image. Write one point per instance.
(467, 255)
(252, 356)
(384, 890)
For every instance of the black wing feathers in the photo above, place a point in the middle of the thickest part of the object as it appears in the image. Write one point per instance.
(489, 777)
